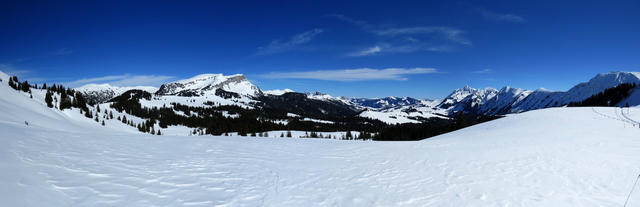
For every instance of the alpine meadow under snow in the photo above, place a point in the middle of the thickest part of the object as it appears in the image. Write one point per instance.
(576, 156)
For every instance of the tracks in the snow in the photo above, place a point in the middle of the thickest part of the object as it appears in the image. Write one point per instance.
(620, 116)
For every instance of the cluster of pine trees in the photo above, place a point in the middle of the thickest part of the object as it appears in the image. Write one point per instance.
(15, 84)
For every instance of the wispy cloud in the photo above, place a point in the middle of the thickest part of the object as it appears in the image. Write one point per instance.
(9, 69)
(494, 16)
(407, 39)
(278, 46)
(483, 71)
(362, 24)
(448, 33)
(359, 74)
(62, 51)
(123, 80)
(366, 51)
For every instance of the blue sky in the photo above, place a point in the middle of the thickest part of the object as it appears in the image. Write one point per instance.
(356, 48)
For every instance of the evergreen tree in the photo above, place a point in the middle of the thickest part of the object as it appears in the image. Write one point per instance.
(266, 134)
(159, 133)
(44, 86)
(124, 119)
(102, 122)
(253, 134)
(48, 99)
(25, 86)
(349, 136)
(282, 134)
(289, 134)
(110, 115)
(98, 107)
(65, 101)
(97, 119)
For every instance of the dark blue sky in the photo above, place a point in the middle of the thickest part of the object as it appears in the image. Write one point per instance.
(358, 48)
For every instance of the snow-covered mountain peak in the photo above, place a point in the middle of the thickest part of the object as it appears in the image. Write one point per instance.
(208, 84)
(598, 84)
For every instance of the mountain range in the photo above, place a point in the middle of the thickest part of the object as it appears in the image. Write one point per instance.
(218, 89)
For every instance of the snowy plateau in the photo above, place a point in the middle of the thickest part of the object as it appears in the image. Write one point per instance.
(543, 156)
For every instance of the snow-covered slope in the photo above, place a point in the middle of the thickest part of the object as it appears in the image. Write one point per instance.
(103, 92)
(543, 98)
(208, 84)
(549, 157)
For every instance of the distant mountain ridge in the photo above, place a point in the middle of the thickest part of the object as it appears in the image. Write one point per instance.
(487, 101)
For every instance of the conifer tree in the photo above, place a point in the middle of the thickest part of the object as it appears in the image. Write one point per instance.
(102, 122)
(44, 86)
(282, 134)
(65, 101)
(159, 133)
(124, 119)
(25, 86)
(48, 99)
(289, 134)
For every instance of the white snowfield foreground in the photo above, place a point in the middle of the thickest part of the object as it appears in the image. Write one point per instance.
(550, 157)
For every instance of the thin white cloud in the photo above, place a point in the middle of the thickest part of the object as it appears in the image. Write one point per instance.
(11, 70)
(407, 39)
(362, 24)
(62, 51)
(359, 74)
(483, 71)
(278, 46)
(366, 51)
(448, 33)
(123, 80)
(500, 17)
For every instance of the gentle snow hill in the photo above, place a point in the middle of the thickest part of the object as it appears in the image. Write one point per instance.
(550, 157)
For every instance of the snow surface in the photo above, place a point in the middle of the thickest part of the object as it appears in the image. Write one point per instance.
(550, 157)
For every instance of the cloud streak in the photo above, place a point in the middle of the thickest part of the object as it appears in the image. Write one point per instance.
(483, 71)
(62, 51)
(359, 74)
(123, 80)
(366, 51)
(448, 33)
(407, 39)
(500, 17)
(278, 46)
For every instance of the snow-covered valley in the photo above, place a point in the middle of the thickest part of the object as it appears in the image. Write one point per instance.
(585, 156)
